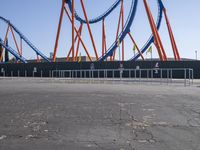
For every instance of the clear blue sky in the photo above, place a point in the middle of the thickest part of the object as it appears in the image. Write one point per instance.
(38, 20)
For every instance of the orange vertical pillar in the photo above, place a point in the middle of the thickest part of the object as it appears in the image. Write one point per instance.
(58, 30)
(89, 29)
(103, 36)
(118, 27)
(79, 36)
(174, 46)
(6, 36)
(157, 39)
(73, 31)
(122, 29)
(132, 39)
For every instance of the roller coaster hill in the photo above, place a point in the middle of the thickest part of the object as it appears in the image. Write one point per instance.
(110, 56)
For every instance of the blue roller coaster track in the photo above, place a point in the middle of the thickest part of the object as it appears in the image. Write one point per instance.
(126, 28)
(13, 52)
(151, 39)
(97, 19)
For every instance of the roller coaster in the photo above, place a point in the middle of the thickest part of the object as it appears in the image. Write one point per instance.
(18, 54)
(106, 53)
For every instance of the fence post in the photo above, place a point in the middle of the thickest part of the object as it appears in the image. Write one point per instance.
(151, 75)
(167, 76)
(121, 74)
(52, 74)
(92, 73)
(161, 76)
(34, 71)
(192, 76)
(3, 72)
(171, 75)
(189, 76)
(136, 77)
(185, 76)
(89, 73)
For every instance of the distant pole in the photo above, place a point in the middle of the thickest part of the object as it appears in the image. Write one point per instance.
(1, 51)
(196, 53)
(119, 54)
(73, 28)
(6, 52)
(134, 53)
(151, 56)
(118, 44)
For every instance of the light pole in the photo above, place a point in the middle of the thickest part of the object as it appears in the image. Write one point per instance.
(134, 53)
(119, 53)
(118, 45)
(196, 55)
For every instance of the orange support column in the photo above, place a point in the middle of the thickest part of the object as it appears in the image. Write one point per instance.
(70, 51)
(73, 31)
(104, 47)
(6, 36)
(105, 44)
(174, 46)
(157, 39)
(38, 59)
(19, 51)
(118, 27)
(78, 35)
(58, 31)
(132, 39)
(21, 46)
(89, 29)
(103, 38)
(122, 29)
(78, 45)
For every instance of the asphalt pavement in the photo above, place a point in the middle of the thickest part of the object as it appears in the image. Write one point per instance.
(48, 114)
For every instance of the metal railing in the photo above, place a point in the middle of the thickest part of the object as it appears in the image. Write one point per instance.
(157, 75)
(175, 75)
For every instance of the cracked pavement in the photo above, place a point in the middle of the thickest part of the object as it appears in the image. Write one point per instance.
(45, 114)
